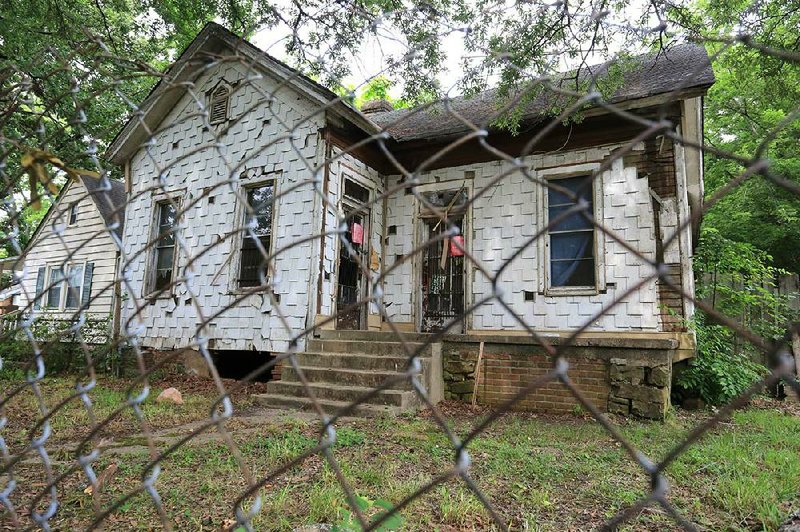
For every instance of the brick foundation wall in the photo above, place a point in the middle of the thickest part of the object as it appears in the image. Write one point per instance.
(503, 375)
(623, 376)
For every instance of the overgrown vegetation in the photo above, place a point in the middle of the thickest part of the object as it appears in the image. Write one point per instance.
(738, 280)
(542, 473)
(60, 346)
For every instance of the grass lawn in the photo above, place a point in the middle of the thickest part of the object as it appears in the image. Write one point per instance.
(541, 473)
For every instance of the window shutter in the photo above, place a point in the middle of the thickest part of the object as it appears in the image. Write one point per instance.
(37, 303)
(87, 285)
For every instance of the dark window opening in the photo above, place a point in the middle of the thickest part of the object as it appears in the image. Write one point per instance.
(442, 279)
(528, 295)
(447, 199)
(355, 191)
(260, 200)
(239, 364)
(73, 213)
(165, 246)
(572, 260)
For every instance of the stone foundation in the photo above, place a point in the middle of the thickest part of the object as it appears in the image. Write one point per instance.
(628, 376)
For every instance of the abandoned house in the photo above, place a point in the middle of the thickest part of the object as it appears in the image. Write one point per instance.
(281, 134)
(70, 262)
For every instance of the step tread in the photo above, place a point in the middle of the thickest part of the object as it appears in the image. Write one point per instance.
(285, 402)
(358, 355)
(328, 334)
(369, 342)
(387, 373)
(327, 385)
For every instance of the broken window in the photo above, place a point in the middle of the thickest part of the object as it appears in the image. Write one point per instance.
(260, 199)
(451, 200)
(355, 192)
(572, 261)
(165, 246)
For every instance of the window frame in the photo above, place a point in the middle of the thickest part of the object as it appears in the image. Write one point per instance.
(554, 174)
(150, 290)
(62, 286)
(421, 238)
(238, 247)
(72, 214)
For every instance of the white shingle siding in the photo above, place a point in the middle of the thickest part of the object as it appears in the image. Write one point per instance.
(504, 218)
(279, 137)
(272, 140)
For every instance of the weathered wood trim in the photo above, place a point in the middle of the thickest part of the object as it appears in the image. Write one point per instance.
(326, 175)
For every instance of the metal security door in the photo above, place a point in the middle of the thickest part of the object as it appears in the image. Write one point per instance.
(442, 280)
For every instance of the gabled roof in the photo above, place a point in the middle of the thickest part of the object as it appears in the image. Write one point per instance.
(681, 70)
(214, 40)
(109, 203)
(677, 69)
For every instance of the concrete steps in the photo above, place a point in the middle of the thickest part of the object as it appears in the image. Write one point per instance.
(344, 366)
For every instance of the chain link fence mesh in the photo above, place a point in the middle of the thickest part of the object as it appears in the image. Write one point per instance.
(44, 117)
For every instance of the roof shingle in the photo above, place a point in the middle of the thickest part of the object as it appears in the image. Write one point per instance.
(679, 67)
(110, 203)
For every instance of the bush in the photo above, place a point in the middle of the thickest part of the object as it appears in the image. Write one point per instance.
(61, 351)
(739, 282)
(719, 373)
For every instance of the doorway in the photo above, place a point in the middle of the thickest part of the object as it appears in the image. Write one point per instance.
(442, 269)
(351, 284)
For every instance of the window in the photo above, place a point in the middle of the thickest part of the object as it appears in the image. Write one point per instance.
(73, 289)
(260, 199)
(165, 246)
(55, 282)
(218, 108)
(65, 292)
(572, 254)
(73, 213)
(355, 191)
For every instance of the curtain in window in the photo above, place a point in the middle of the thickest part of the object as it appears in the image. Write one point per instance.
(572, 260)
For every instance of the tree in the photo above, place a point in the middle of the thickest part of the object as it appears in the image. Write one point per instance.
(751, 111)
(58, 71)
(65, 65)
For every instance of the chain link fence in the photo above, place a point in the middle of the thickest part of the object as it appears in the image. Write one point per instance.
(224, 198)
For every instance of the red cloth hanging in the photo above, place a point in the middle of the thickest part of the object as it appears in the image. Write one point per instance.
(357, 234)
(454, 250)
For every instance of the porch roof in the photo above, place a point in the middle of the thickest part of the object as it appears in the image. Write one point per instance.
(672, 72)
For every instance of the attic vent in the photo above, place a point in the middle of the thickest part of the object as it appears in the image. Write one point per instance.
(219, 104)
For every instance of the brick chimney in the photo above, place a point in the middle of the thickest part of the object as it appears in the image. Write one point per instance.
(377, 106)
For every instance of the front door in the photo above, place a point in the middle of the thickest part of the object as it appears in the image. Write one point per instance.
(351, 285)
(442, 280)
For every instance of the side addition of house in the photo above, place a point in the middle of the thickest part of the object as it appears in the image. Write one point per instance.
(70, 263)
(295, 161)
